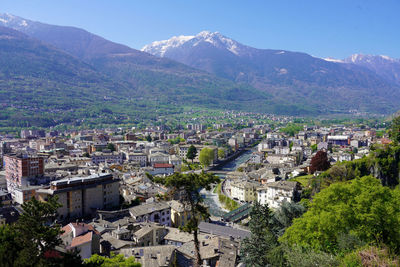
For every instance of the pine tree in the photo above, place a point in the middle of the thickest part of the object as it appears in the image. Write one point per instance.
(190, 185)
(36, 230)
(395, 130)
(259, 249)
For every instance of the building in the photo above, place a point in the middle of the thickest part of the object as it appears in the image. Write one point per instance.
(223, 231)
(154, 256)
(214, 251)
(137, 157)
(162, 169)
(179, 215)
(107, 157)
(81, 237)
(22, 170)
(274, 194)
(149, 235)
(340, 140)
(159, 212)
(5, 198)
(82, 196)
(245, 191)
(25, 134)
(256, 158)
(158, 157)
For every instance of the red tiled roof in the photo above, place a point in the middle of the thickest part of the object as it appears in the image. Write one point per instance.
(82, 239)
(163, 165)
(87, 228)
(66, 229)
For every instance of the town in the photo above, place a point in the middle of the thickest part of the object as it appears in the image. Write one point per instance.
(109, 203)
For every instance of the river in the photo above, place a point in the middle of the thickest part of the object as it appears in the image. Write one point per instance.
(210, 198)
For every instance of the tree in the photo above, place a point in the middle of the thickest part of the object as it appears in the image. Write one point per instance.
(9, 248)
(37, 232)
(394, 131)
(283, 217)
(221, 153)
(190, 185)
(32, 240)
(319, 162)
(362, 208)
(148, 138)
(257, 249)
(206, 156)
(191, 153)
(314, 148)
(115, 260)
(111, 146)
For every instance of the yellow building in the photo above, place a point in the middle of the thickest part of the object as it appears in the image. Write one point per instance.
(245, 191)
(179, 215)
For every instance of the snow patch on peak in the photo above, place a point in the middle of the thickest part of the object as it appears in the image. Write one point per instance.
(12, 21)
(159, 48)
(330, 59)
(356, 57)
(23, 23)
(219, 41)
(205, 34)
(384, 57)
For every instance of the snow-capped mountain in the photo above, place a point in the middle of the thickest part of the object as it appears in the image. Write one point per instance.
(384, 66)
(11, 21)
(215, 39)
(360, 58)
(286, 75)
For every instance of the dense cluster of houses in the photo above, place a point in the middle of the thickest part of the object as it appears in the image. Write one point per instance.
(266, 176)
(109, 204)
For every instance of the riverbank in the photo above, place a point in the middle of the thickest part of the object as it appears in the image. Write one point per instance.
(217, 208)
(227, 202)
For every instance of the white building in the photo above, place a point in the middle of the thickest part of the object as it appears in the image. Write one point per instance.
(139, 158)
(110, 158)
(159, 212)
(158, 158)
(82, 238)
(274, 194)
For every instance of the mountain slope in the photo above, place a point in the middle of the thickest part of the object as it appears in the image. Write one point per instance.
(40, 84)
(153, 78)
(287, 76)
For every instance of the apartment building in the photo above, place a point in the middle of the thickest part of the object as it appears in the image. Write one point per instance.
(22, 170)
(82, 196)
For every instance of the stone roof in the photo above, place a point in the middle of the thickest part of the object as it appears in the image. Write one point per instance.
(153, 256)
(225, 231)
(287, 185)
(148, 208)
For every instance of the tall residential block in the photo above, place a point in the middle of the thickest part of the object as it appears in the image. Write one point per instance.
(22, 170)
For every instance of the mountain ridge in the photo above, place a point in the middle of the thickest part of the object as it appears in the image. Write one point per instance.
(219, 72)
(281, 72)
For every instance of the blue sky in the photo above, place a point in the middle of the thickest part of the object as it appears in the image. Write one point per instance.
(322, 28)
